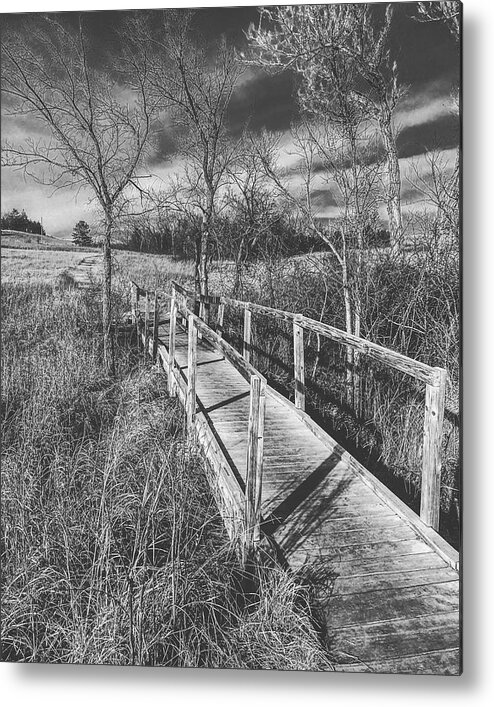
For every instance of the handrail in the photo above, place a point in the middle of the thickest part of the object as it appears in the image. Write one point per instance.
(245, 368)
(421, 371)
(255, 432)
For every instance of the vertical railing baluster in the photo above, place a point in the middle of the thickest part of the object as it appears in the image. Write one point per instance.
(247, 334)
(146, 326)
(220, 320)
(137, 316)
(191, 379)
(255, 452)
(155, 327)
(430, 499)
(171, 345)
(299, 364)
(133, 301)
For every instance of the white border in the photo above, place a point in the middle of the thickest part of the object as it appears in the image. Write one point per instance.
(84, 685)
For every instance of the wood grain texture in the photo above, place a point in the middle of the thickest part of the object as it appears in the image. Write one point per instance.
(299, 364)
(431, 458)
(385, 588)
(255, 444)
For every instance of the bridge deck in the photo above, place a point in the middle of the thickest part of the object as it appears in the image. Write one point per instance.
(388, 600)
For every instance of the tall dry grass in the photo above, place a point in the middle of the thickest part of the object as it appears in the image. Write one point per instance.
(112, 548)
(411, 305)
(37, 266)
(149, 271)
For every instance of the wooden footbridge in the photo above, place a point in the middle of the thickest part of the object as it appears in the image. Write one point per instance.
(386, 584)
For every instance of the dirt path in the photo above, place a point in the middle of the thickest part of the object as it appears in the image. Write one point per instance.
(87, 272)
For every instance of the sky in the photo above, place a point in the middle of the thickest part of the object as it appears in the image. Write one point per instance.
(428, 62)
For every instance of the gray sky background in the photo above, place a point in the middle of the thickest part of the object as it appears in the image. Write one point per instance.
(428, 61)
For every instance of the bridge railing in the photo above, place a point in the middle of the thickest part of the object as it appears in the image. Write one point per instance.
(196, 328)
(434, 379)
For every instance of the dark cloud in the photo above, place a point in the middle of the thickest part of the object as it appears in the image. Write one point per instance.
(441, 133)
(266, 101)
(323, 198)
(423, 49)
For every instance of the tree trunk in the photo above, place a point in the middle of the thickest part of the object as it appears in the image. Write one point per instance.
(394, 179)
(202, 254)
(239, 267)
(108, 348)
(348, 320)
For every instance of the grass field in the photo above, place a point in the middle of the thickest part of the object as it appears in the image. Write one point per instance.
(36, 266)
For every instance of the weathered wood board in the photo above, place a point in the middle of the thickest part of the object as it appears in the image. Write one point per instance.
(388, 601)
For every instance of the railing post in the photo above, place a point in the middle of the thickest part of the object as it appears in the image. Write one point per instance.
(183, 301)
(202, 309)
(247, 333)
(255, 450)
(221, 317)
(430, 498)
(146, 326)
(191, 380)
(299, 364)
(136, 314)
(171, 345)
(155, 327)
(133, 301)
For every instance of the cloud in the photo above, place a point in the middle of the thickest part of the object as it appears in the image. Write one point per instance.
(264, 100)
(428, 103)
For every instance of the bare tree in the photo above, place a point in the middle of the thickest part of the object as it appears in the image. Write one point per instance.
(254, 212)
(340, 52)
(350, 171)
(438, 183)
(448, 12)
(95, 134)
(195, 83)
(445, 193)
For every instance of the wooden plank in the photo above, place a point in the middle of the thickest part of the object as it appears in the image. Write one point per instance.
(383, 565)
(392, 603)
(171, 346)
(446, 662)
(247, 334)
(370, 535)
(431, 458)
(384, 520)
(393, 580)
(382, 492)
(138, 317)
(253, 487)
(146, 325)
(134, 301)
(371, 550)
(396, 638)
(155, 327)
(220, 319)
(351, 511)
(191, 380)
(299, 364)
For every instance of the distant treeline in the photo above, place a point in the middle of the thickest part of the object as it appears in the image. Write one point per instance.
(19, 221)
(232, 239)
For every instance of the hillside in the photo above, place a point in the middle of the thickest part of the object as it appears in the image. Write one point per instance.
(20, 239)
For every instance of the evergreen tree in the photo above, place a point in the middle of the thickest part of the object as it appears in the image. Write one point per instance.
(81, 234)
(18, 221)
